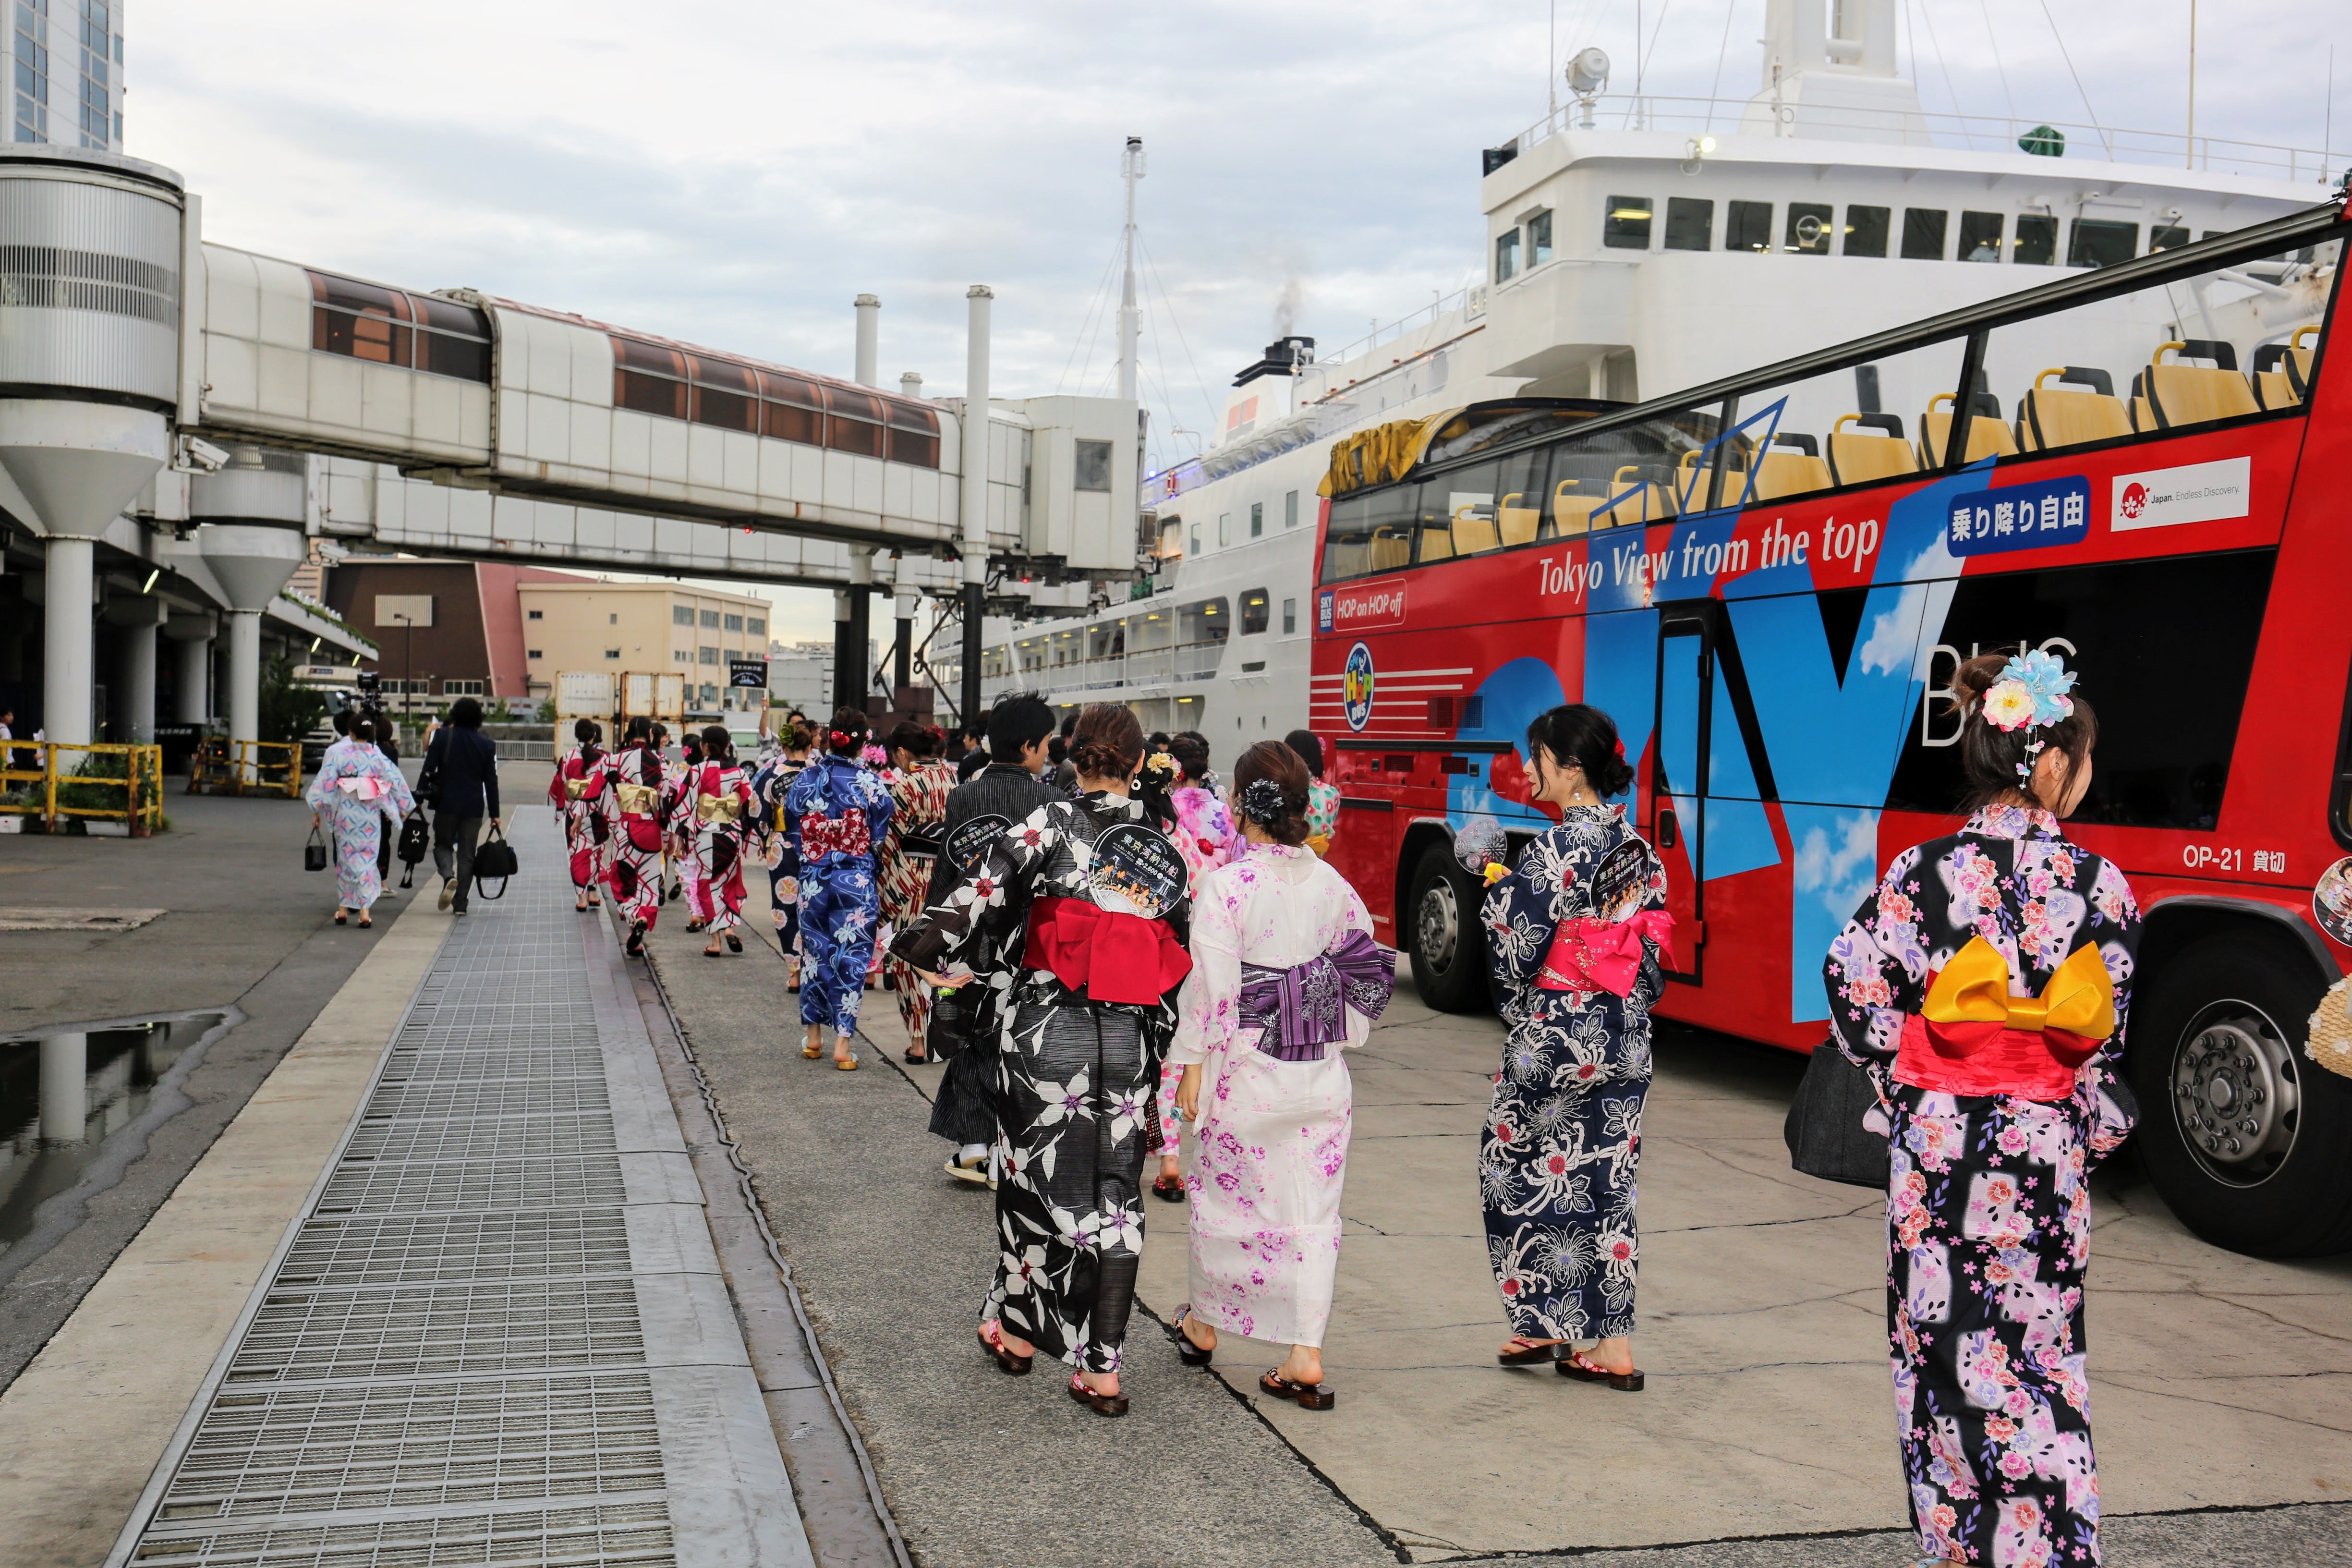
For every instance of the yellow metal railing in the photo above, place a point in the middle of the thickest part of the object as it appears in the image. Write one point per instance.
(247, 767)
(59, 794)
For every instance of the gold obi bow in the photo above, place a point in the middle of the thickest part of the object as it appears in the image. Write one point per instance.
(712, 809)
(574, 788)
(637, 800)
(1969, 1006)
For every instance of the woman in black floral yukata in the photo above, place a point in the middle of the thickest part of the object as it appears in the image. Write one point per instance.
(1087, 903)
(1984, 986)
(1573, 937)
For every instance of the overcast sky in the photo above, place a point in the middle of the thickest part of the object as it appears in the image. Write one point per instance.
(733, 173)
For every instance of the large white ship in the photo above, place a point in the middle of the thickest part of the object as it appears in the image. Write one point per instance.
(1634, 245)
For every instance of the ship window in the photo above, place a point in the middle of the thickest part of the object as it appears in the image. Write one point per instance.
(1865, 231)
(1810, 228)
(1290, 508)
(1289, 617)
(1539, 240)
(1255, 605)
(1506, 256)
(1257, 519)
(2101, 242)
(1195, 549)
(2166, 236)
(1981, 237)
(1627, 225)
(1093, 466)
(2037, 239)
(1748, 225)
(1690, 224)
(1923, 234)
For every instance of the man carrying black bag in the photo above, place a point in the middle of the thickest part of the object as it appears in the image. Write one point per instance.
(466, 762)
(963, 1021)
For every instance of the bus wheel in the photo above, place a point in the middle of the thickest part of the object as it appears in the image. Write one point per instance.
(2249, 1141)
(1449, 945)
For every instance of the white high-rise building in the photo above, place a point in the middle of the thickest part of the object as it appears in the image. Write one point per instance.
(64, 68)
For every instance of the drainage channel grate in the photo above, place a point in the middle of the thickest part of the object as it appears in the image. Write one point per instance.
(473, 1345)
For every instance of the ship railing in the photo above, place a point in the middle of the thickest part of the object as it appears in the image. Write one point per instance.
(1724, 117)
(1176, 663)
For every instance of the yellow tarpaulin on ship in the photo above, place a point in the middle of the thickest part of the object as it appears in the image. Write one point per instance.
(1374, 457)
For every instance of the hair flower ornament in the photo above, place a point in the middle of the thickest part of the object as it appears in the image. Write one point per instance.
(1262, 802)
(2030, 695)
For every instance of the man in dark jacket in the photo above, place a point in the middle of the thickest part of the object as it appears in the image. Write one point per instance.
(467, 762)
(963, 1023)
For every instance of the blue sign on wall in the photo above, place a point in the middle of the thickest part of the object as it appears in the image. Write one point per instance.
(2019, 517)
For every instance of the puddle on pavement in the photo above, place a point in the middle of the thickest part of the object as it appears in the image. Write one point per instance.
(77, 1104)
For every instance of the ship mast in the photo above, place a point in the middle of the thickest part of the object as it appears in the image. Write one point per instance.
(1129, 318)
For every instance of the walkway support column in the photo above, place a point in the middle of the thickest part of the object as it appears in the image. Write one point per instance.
(69, 670)
(137, 655)
(250, 561)
(979, 299)
(194, 635)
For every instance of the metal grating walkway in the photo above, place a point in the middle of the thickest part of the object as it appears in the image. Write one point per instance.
(499, 1334)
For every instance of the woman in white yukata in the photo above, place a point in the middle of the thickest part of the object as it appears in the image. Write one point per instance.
(355, 782)
(1285, 975)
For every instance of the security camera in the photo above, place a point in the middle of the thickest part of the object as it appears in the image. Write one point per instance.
(198, 454)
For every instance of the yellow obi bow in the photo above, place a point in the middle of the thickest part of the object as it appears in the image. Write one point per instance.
(1969, 1006)
(574, 789)
(637, 800)
(716, 808)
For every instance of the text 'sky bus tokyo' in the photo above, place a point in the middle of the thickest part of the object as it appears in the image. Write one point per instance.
(1768, 582)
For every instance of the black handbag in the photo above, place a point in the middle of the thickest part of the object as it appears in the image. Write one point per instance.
(1825, 1132)
(416, 843)
(496, 859)
(314, 853)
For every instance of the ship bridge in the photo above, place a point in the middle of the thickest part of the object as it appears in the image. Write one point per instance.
(183, 413)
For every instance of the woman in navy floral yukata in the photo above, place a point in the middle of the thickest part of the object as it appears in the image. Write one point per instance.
(1573, 935)
(1983, 986)
(837, 813)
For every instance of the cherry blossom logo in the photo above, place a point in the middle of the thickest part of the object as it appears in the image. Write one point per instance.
(2135, 499)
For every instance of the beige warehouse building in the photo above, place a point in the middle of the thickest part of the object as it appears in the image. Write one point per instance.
(618, 627)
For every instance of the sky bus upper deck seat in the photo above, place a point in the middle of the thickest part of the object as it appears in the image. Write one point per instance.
(1391, 547)
(2281, 374)
(1874, 449)
(1790, 465)
(1517, 523)
(2050, 417)
(1988, 435)
(2180, 394)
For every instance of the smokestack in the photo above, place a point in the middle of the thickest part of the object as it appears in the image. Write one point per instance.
(980, 297)
(911, 385)
(869, 340)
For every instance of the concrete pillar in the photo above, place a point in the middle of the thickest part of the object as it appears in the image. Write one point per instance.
(869, 340)
(65, 1088)
(67, 672)
(979, 299)
(196, 703)
(243, 675)
(137, 683)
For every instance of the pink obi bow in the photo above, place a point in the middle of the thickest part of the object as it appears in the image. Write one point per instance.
(1587, 955)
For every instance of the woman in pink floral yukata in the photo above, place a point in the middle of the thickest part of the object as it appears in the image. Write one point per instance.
(1285, 975)
(1983, 986)
(1203, 832)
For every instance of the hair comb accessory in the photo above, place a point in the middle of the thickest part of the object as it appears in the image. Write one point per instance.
(1262, 802)
(2030, 694)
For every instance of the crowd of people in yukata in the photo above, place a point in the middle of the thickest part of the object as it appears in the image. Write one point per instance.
(1143, 978)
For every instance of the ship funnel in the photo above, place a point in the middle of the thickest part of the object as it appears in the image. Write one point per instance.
(77, 465)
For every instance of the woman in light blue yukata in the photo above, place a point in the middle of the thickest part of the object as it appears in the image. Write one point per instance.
(355, 784)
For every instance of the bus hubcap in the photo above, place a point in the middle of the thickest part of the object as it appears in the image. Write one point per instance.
(1440, 925)
(2235, 1093)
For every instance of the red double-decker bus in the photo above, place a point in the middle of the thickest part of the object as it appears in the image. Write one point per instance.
(1768, 583)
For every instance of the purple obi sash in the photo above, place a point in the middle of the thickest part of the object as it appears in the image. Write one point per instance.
(1301, 1009)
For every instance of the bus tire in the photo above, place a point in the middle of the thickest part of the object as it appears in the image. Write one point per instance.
(1447, 943)
(2248, 1140)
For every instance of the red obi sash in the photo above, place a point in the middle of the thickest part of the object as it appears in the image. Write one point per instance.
(1973, 1037)
(843, 835)
(1587, 955)
(1112, 957)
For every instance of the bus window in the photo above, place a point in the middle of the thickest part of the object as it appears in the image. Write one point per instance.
(1457, 512)
(2195, 352)
(1518, 501)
